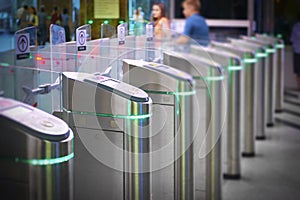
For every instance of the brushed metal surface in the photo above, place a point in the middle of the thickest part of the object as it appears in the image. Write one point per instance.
(112, 142)
(158, 84)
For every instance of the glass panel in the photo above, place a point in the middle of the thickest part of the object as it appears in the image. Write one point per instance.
(31, 86)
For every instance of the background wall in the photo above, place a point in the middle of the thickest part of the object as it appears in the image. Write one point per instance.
(87, 14)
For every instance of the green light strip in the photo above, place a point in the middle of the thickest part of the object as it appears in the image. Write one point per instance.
(235, 68)
(270, 50)
(49, 161)
(250, 60)
(209, 78)
(4, 64)
(279, 46)
(189, 93)
(261, 55)
(110, 115)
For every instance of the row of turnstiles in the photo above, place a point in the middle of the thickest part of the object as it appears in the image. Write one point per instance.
(166, 128)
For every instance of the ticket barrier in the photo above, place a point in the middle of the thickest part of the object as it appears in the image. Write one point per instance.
(270, 74)
(233, 66)
(110, 120)
(279, 63)
(208, 78)
(260, 84)
(249, 99)
(172, 91)
(36, 153)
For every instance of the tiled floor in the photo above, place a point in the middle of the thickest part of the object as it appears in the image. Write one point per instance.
(275, 171)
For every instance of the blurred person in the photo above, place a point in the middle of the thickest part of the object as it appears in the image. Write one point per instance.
(141, 11)
(195, 25)
(66, 24)
(42, 26)
(19, 13)
(161, 22)
(295, 39)
(55, 17)
(24, 17)
(33, 18)
(138, 22)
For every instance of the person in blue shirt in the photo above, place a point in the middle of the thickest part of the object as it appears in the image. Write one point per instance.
(195, 25)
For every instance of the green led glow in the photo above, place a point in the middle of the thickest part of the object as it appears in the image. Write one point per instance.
(121, 22)
(279, 46)
(279, 36)
(4, 64)
(90, 21)
(250, 60)
(270, 50)
(133, 117)
(188, 93)
(235, 68)
(209, 78)
(30, 56)
(106, 22)
(177, 99)
(261, 55)
(49, 161)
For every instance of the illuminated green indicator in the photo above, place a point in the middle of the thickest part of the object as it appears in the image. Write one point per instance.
(121, 22)
(279, 46)
(4, 64)
(90, 21)
(106, 22)
(279, 36)
(250, 60)
(209, 78)
(261, 55)
(235, 68)
(270, 50)
(110, 115)
(30, 56)
(49, 161)
(189, 93)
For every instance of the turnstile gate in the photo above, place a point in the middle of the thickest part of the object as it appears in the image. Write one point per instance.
(208, 105)
(36, 151)
(110, 120)
(172, 92)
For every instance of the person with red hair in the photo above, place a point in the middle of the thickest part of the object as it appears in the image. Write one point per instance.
(161, 22)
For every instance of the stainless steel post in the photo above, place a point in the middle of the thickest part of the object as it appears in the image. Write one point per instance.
(36, 151)
(260, 86)
(208, 78)
(249, 99)
(172, 91)
(232, 64)
(279, 63)
(111, 122)
(271, 75)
